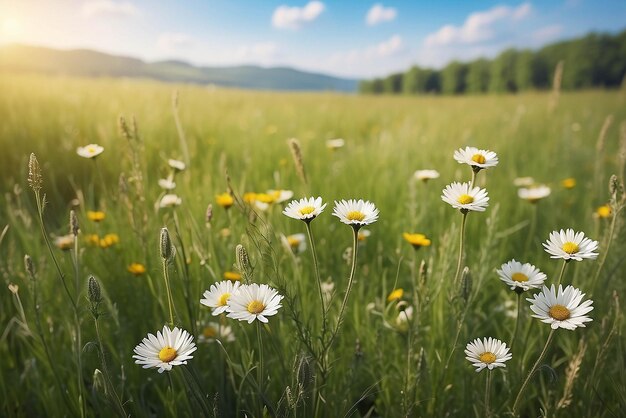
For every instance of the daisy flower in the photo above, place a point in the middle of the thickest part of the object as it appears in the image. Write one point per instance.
(524, 181)
(426, 175)
(534, 194)
(487, 353)
(305, 209)
(356, 212)
(90, 151)
(170, 200)
(570, 245)
(167, 184)
(477, 158)
(280, 196)
(364, 234)
(214, 331)
(218, 295)
(64, 242)
(416, 240)
(521, 277)
(295, 242)
(562, 309)
(462, 196)
(168, 348)
(334, 144)
(254, 302)
(177, 165)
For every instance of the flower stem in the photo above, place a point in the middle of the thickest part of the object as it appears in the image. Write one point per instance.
(533, 227)
(561, 273)
(458, 265)
(355, 247)
(517, 319)
(487, 394)
(166, 277)
(317, 275)
(260, 378)
(532, 371)
(605, 252)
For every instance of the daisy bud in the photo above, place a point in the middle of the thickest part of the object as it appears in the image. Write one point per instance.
(29, 266)
(93, 290)
(166, 245)
(73, 223)
(35, 178)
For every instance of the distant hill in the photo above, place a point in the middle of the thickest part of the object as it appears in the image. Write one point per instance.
(88, 63)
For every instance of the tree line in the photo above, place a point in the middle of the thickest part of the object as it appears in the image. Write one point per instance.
(596, 60)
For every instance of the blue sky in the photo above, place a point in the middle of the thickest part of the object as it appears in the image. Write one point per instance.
(354, 38)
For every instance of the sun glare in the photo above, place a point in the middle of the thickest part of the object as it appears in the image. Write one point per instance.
(10, 29)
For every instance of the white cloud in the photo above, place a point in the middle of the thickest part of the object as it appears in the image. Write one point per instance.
(174, 40)
(109, 8)
(390, 47)
(379, 14)
(547, 33)
(286, 17)
(478, 27)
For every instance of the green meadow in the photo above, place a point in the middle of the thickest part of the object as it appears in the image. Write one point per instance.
(67, 352)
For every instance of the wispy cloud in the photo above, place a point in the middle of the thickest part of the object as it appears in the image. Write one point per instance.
(260, 52)
(287, 17)
(547, 33)
(379, 14)
(109, 8)
(170, 41)
(383, 49)
(478, 27)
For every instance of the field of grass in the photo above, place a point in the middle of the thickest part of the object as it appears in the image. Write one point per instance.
(58, 361)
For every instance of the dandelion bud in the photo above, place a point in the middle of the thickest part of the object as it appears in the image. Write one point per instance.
(35, 178)
(209, 213)
(243, 261)
(29, 265)
(73, 223)
(93, 290)
(166, 244)
(466, 284)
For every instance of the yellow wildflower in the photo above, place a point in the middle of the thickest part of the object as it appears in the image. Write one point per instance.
(95, 215)
(603, 211)
(395, 295)
(568, 183)
(109, 240)
(416, 240)
(232, 275)
(136, 269)
(225, 200)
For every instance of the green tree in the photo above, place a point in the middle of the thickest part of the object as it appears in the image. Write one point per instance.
(478, 76)
(502, 78)
(453, 78)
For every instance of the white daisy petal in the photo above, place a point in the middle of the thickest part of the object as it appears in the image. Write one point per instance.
(218, 295)
(476, 158)
(305, 209)
(521, 277)
(168, 348)
(90, 151)
(252, 302)
(356, 213)
(562, 308)
(570, 246)
(488, 352)
(464, 197)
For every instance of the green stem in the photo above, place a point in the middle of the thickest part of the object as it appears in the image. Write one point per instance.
(517, 320)
(355, 238)
(533, 227)
(260, 377)
(317, 275)
(117, 402)
(487, 394)
(532, 371)
(458, 265)
(170, 304)
(561, 273)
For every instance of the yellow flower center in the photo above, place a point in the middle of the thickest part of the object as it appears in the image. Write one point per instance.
(167, 354)
(570, 247)
(209, 332)
(355, 215)
(91, 150)
(306, 210)
(487, 357)
(223, 299)
(293, 242)
(256, 307)
(465, 199)
(559, 312)
(478, 158)
(519, 277)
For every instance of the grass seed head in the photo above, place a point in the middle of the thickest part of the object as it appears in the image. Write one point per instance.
(35, 178)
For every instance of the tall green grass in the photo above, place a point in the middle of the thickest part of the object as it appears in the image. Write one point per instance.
(238, 139)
